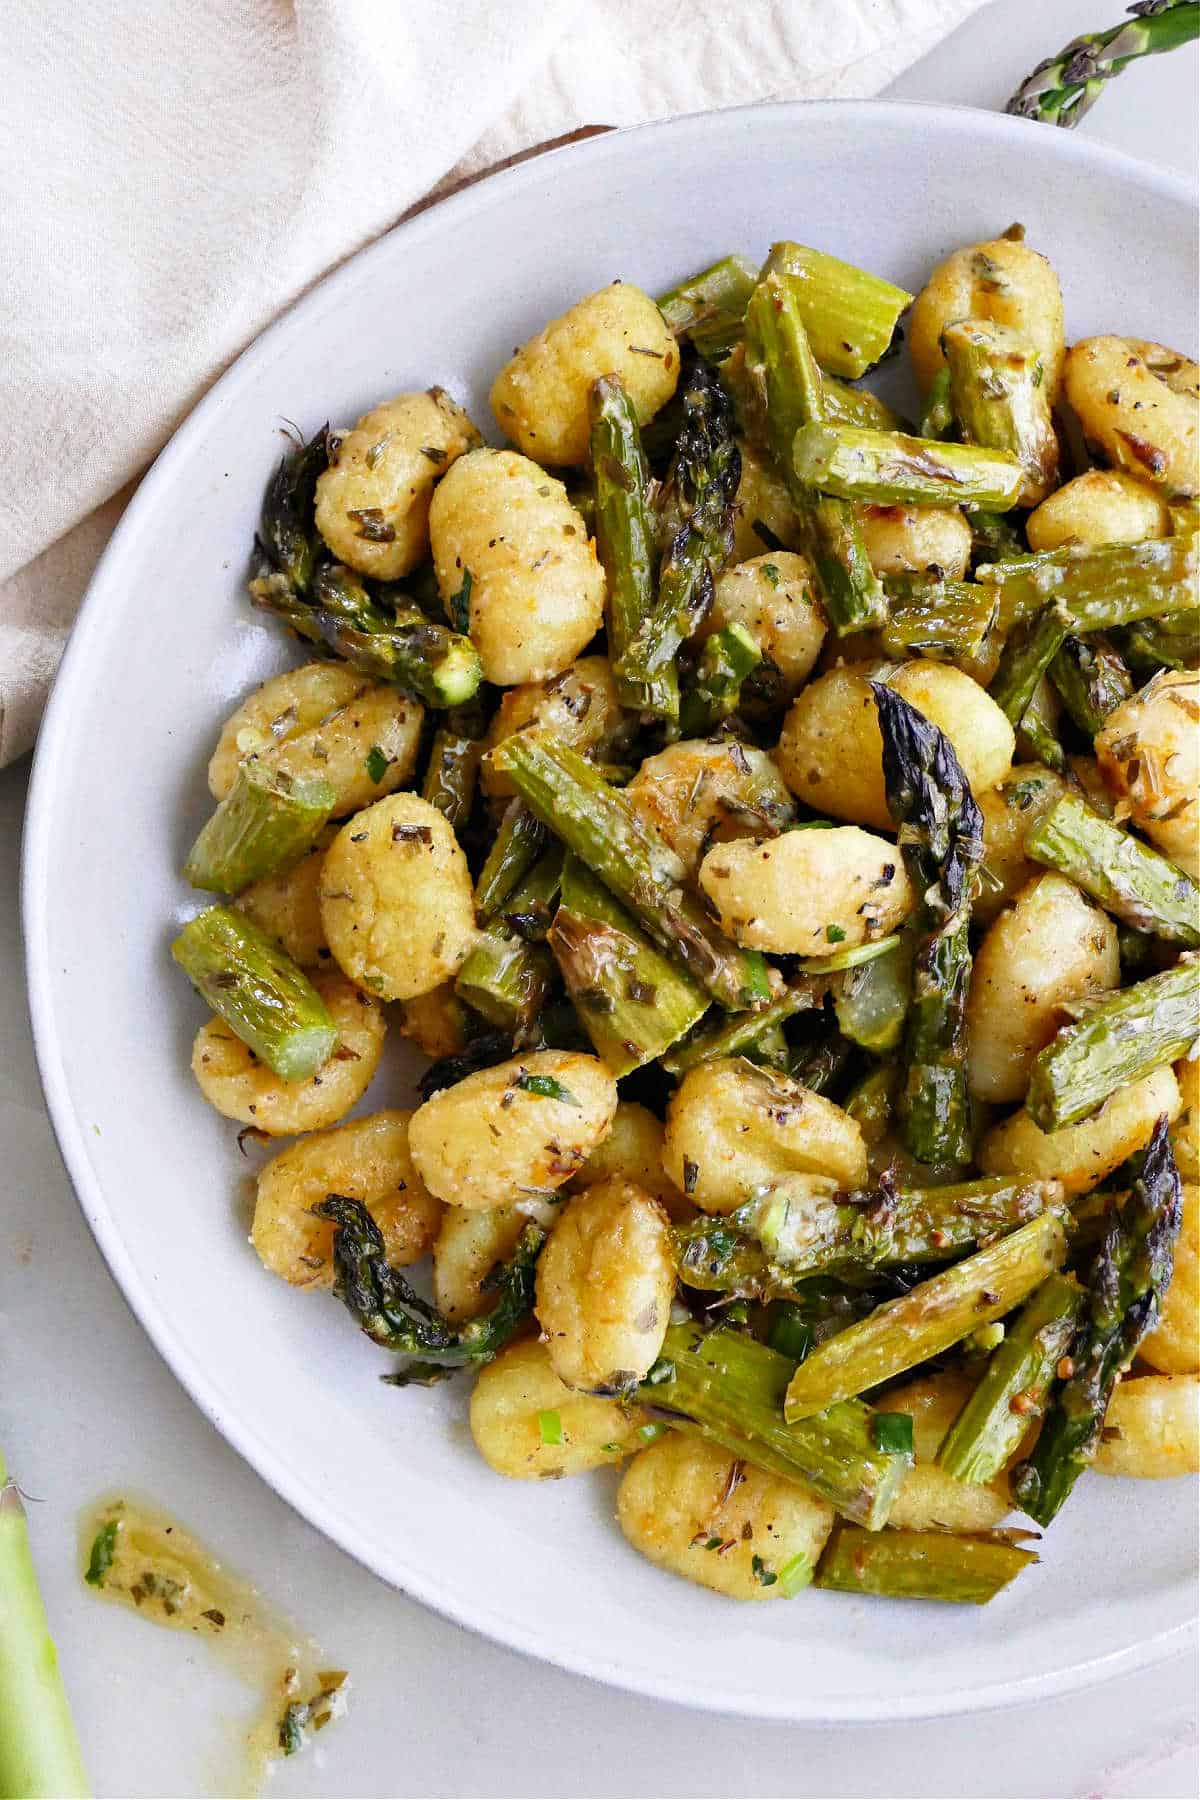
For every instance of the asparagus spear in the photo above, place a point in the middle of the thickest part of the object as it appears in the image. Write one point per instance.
(1119, 1040)
(1171, 642)
(624, 540)
(1103, 585)
(936, 1313)
(287, 528)
(937, 414)
(393, 1315)
(948, 621)
(1037, 737)
(633, 1001)
(1092, 680)
(849, 315)
(891, 468)
(1062, 88)
(730, 1389)
(515, 848)
(1129, 880)
(941, 838)
(266, 822)
(442, 667)
(872, 1101)
(704, 477)
(597, 824)
(726, 658)
(259, 992)
(740, 1034)
(920, 1565)
(1126, 1282)
(709, 307)
(994, 538)
(1018, 1378)
(451, 773)
(871, 1001)
(1027, 655)
(507, 975)
(998, 397)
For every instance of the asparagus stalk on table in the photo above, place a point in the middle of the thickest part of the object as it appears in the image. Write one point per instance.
(1103, 585)
(625, 540)
(633, 1001)
(266, 822)
(1012, 1393)
(920, 1565)
(1062, 88)
(889, 468)
(440, 666)
(1091, 679)
(941, 838)
(507, 976)
(998, 396)
(730, 1389)
(259, 992)
(1126, 1282)
(1120, 1039)
(287, 528)
(703, 481)
(394, 1315)
(597, 824)
(1129, 879)
(516, 846)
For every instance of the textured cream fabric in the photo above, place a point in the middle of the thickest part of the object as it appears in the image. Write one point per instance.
(172, 175)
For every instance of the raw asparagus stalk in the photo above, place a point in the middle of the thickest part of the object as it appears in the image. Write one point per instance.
(998, 396)
(1103, 585)
(849, 315)
(259, 992)
(948, 621)
(450, 776)
(1119, 1040)
(1092, 680)
(726, 658)
(633, 1001)
(1126, 1282)
(287, 529)
(709, 307)
(740, 1034)
(515, 848)
(937, 414)
(508, 974)
(704, 477)
(393, 1315)
(941, 838)
(929, 1319)
(624, 539)
(730, 1389)
(266, 822)
(890, 468)
(598, 826)
(1027, 655)
(441, 667)
(920, 1565)
(1062, 89)
(39, 1752)
(1015, 1384)
(1129, 880)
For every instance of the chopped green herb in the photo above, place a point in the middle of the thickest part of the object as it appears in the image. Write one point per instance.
(835, 934)
(611, 1449)
(771, 573)
(459, 605)
(767, 1576)
(663, 1370)
(714, 1543)
(794, 1575)
(650, 1434)
(376, 764)
(550, 1428)
(304, 1715)
(103, 1550)
(893, 1433)
(545, 1086)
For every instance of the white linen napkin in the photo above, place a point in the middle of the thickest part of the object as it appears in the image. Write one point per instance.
(173, 175)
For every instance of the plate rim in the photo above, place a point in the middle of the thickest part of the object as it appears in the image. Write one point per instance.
(420, 1581)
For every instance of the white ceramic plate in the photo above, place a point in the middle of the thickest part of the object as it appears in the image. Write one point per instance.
(166, 643)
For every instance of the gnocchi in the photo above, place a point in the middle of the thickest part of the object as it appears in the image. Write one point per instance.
(1149, 754)
(929, 1499)
(1080, 1156)
(1139, 420)
(916, 540)
(529, 1425)
(604, 1287)
(1101, 506)
(580, 707)
(774, 598)
(1152, 1428)
(805, 892)
(633, 1151)
(697, 793)
(1002, 280)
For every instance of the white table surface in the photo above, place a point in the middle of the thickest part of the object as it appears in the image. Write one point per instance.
(86, 1406)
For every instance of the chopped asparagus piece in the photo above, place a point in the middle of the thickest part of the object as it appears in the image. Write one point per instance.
(1027, 655)
(515, 848)
(597, 824)
(507, 977)
(850, 316)
(1131, 881)
(1120, 1039)
(1015, 1384)
(1170, 642)
(1126, 1282)
(288, 529)
(872, 1101)
(1092, 680)
(730, 1389)
(934, 1315)
(709, 307)
(891, 468)
(265, 823)
(947, 621)
(920, 1565)
(998, 396)
(726, 658)
(633, 1001)
(1037, 739)
(451, 774)
(624, 539)
(995, 538)
(259, 992)
(871, 1001)
(937, 414)
(740, 1034)
(1103, 585)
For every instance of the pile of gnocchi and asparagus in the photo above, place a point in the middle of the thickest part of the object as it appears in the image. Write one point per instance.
(777, 821)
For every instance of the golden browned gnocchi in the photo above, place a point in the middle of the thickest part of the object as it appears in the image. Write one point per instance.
(519, 1129)
(396, 899)
(1002, 280)
(1080, 1156)
(1174, 1344)
(470, 1242)
(509, 546)
(529, 1425)
(288, 906)
(1010, 811)
(373, 499)
(282, 707)
(916, 540)
(1185, 1133)
(929, 1499)
(604, 1287)
(365, 1159)
(437, 1022)
(774, 598)
(1149, 753)
(762, 499)
(1137, 418)
(1050, 947)
(580, 707)
(540, 398)
(1152, 1428)
(696, 1510)
(241, 1087)
(697, 793)
(806, 892)
(831, 751)
(1101, 506)
(733, 1129)
(633, 1150)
